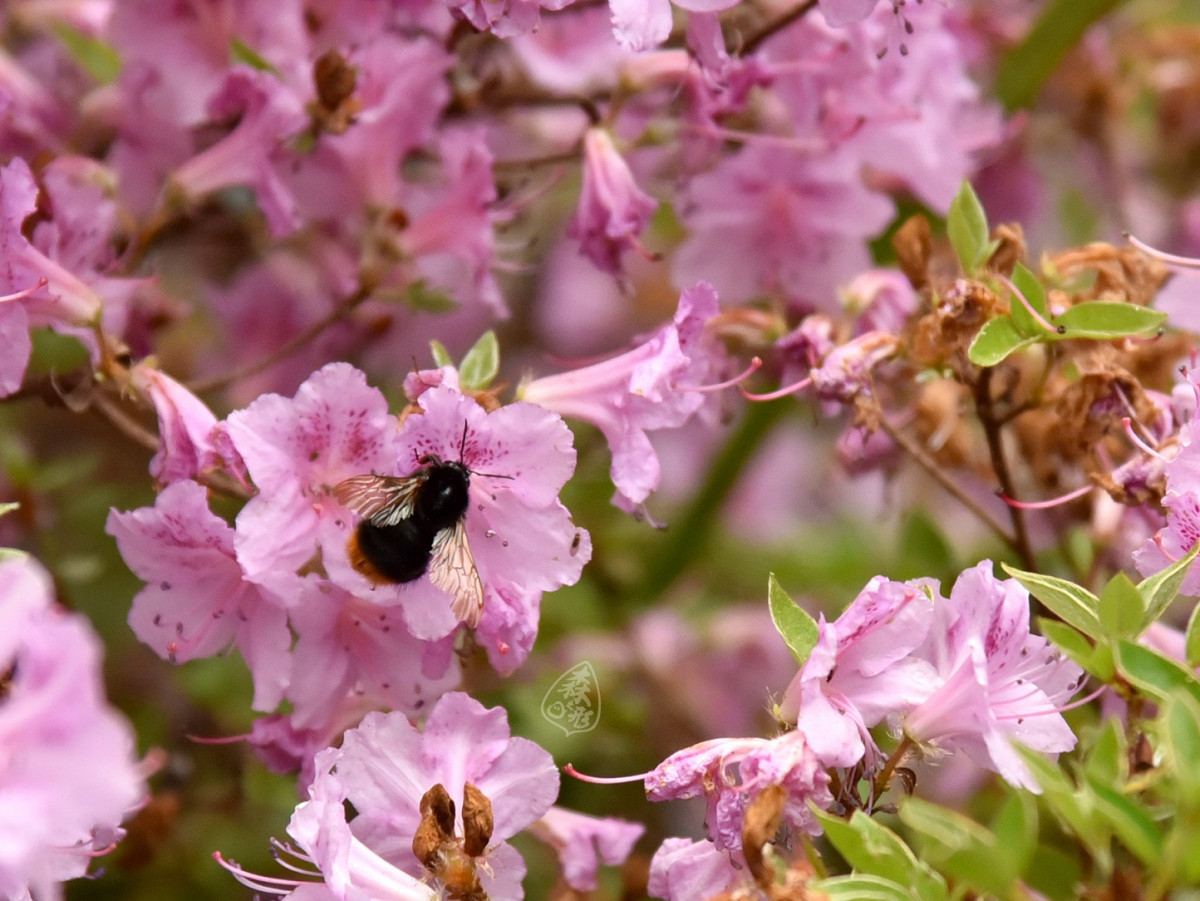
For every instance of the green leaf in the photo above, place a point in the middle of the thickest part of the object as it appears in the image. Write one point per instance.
(97, 58)
(1031, 289)
(1106, 759)
(1025, 69)
(864, 888)
(1122, 608)
(1057, 872)
(1130, 822)
(1162, 587)
(1016, 829)
(1187, 857)
(1067, 638)
(441, 356)
(1073, 806)
(967, 226)
(1153, 674)
(1071, 603)
(241, 52)
(997, 339)
(1107, 319)
(960, 847)
(870, 847)
(424, 299)
(1191, 643)
(1096, 659)
(481, 363)
(797, 629)
(1179, 729)
(1028, 284)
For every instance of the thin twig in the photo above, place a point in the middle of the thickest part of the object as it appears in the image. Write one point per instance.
(991, 430)
(771, 28)
(926, 462)
(112, 413)
(310, 334)
(125, 424)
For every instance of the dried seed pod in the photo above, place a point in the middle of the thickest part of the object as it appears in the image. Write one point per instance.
(477, 820)
(764, 816)
(437, 801)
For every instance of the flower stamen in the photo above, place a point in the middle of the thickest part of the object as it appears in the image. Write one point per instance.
(1047, 504)
(570, 770)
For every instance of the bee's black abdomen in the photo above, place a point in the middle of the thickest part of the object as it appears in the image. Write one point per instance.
(398, 553)
(401, 551)
(443, 498)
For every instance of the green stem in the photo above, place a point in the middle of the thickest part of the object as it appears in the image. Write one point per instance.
(688, 533)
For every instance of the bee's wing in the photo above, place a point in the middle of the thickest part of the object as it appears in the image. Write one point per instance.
(384, 500)
(452, 569)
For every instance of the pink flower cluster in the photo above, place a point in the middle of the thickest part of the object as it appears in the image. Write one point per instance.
(68, 772)
(961, 673)
(279, 584)
(434, 810)
(958, 673)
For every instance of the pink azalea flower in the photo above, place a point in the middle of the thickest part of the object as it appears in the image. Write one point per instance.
(505, 19)
(881, 301)
(770, 220)
(996, 683)
(520, 534)
(730, 772)
(450, 235)
(295, 451)
(35, 290)
(197, 601)
(653, 386)
(864, 105)
(644, 24)
(402, 91)
(685, 870)
(353, 654)
(386, 766)
(185, 426)
(613, 210)
(69, 773)
(584, 842)
(1182, 500)
(349, 870)
(33, 117)
(861, 670)
(846, 371)
(269, 112)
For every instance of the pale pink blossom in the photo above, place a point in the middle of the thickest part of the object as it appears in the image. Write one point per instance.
(613, 210)
(69, 774)
(386, 766)
(686, 870)
(996, 683)
(861, 670)
(730, 772)
(197, 601)
(35, 290)
(585, 842)
(185, 426)
(653, 386)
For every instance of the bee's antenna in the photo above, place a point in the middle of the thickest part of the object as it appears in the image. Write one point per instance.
(462, 453)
